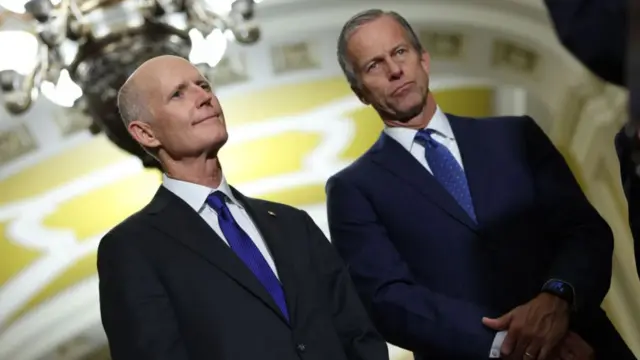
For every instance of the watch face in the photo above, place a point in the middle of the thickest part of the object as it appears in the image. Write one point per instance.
(558, 286)
(560, 289)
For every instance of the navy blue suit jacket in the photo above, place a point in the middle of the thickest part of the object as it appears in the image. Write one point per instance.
(428, 274)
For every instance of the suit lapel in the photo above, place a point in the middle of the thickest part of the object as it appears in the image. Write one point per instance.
(475, 155)
(176, 219)
(266, 220)
(392, 156)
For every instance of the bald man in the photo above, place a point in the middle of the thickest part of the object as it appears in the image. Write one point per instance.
(204, 272)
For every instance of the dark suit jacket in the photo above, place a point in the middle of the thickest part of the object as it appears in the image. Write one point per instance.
(627, 148)
(170, 289)
(428, 273)
(596, 32)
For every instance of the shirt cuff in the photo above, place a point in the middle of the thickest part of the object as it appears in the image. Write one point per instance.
(497, 344)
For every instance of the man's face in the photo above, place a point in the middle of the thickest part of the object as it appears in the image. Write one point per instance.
(186, 119)
(393, 75)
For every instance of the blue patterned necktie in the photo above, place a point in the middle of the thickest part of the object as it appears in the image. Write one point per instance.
(247, 250)
(446, 170)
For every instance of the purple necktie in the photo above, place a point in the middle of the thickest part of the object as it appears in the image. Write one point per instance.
(247, 250)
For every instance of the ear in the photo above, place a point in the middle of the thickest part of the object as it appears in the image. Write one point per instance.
(425, 59)
(143, 133)
(360, 95)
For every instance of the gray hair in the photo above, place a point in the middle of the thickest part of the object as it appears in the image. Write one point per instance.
(129, 103)
(131, 108)
(363, 18)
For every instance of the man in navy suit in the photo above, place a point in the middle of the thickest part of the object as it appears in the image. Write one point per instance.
(466, 238)
(204, 272)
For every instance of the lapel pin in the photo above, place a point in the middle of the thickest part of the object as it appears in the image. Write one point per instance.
(271, 213)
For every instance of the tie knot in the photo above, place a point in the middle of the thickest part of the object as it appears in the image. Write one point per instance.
(217, 201)
(424, 137)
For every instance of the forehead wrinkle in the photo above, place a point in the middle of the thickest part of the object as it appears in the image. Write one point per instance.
(184, 78)
(164, 74)
(392, 29)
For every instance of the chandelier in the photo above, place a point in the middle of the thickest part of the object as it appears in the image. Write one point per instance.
(84, 50)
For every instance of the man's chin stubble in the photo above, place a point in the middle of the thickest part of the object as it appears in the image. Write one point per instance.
(406, 116)
(409, 114)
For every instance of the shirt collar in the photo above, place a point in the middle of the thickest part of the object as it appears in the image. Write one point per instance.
(405, 136)
(195, 195)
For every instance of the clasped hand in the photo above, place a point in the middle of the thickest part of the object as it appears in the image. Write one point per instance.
(573, 347)
(535, 329)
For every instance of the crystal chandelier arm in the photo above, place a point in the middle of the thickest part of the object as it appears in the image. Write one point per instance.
(202, 18)
(52, 20)
(18, 90)
(42, 67)
(76, 12)
(238, 20)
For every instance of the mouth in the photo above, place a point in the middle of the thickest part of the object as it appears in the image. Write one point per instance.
(402, 88)
(215, 116)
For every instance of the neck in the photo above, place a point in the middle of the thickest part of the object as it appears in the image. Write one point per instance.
(205, 172)
(421, 120)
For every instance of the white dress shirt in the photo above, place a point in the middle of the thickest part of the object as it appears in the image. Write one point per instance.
(443, 134)
(196, 196)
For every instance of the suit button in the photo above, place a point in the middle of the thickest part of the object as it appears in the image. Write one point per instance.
(301, 347)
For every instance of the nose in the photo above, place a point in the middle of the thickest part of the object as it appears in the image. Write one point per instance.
(394, 70)
(204, 98)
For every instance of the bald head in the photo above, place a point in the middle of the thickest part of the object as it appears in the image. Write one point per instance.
(131, 96)
(170, 109)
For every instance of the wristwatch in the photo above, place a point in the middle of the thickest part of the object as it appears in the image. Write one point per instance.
(561, 289)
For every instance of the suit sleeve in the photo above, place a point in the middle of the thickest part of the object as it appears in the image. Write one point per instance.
(584, 251)
(360, 339)
(595, 32)
(136, 313)
(407, 313)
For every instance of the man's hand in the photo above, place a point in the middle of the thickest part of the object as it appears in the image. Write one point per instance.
(534, 329)
(573, 347)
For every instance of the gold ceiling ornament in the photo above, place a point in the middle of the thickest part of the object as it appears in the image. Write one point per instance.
(86, 49)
